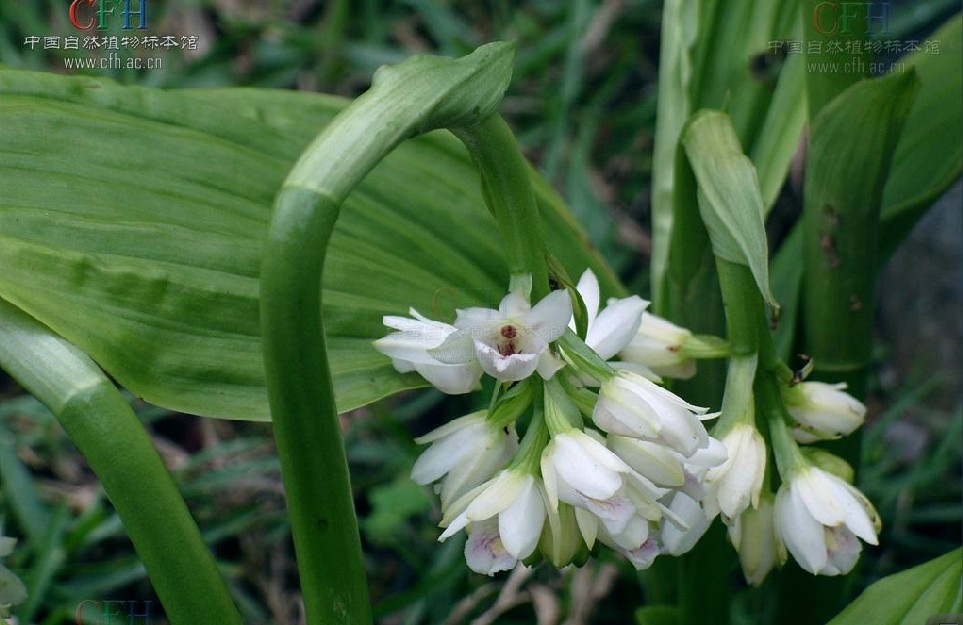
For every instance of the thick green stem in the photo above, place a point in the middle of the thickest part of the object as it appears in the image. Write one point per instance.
(101, 423)
(507, 188)
(745, 311)
(419, 95)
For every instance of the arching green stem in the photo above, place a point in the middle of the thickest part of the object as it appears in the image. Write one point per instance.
(418, 95)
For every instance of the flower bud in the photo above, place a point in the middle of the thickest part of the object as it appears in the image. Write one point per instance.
(822, 411)
(753, 534)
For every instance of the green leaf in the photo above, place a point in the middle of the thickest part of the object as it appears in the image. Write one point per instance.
(730, 202)
(679, 31)
(909, 597)
(133, 222)
(823, 25)
(787, 274)
(852, 141)
(711, 61)
(100, 422)
(928, 159)
(773, 151)
(929, 155)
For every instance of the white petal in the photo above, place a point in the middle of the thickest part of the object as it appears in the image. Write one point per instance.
(478, 467)
(678, 541)
(457, 525)
(520, 524)
(505, 368)
(861, 517)
(656, 462)
(549, 477)
(684, 432)
(514, 305)
(710, 456)
(549, 318)
(447, 429)
(588, 288)
(823, 494)
(484, 551)
(616, 418)
(548, 364)
(843, 549)
(634, 535)
(399, 346)
(803, 535)
(614, 512)
(458, 348)
(446, 453)
(499, 495)
(477, 321)
(452, 379)
(643, 557)
(586, 466)
(615, 326)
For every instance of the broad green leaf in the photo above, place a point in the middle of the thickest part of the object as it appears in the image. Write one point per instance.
(909, 597)
(730, 202)
(929, 156)
(133, 219)
(852, 141)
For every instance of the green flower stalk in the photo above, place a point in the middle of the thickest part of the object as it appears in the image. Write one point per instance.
(416, 96)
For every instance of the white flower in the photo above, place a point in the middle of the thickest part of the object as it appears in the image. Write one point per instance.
(611, 329)
(511, 342)
(514, 499)
(819, 517)
(468, 450)
(822, 411)
(657, 344)
(579, 470)
(736, 483)
(631, 405)
(409, 351)
(753, 534)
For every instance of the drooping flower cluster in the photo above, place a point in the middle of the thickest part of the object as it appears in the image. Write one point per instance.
(609, 456)
(816, 514)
